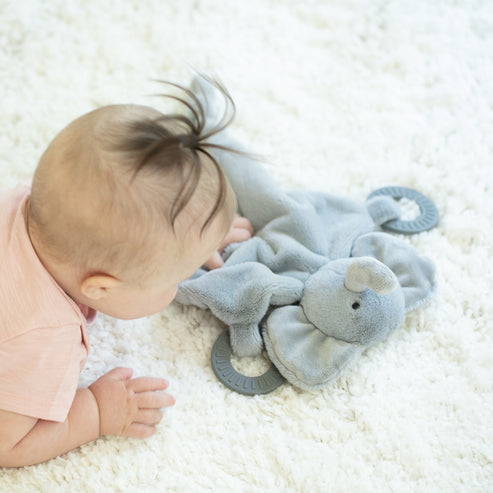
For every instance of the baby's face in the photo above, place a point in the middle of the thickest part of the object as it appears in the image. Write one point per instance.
(136, 299)
(83, 166)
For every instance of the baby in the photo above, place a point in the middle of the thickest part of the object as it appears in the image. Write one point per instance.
(125, 204)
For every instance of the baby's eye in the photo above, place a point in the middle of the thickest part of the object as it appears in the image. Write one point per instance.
(355, 305)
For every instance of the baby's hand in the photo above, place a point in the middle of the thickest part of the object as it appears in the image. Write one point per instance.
(241, 230)
(130, 407)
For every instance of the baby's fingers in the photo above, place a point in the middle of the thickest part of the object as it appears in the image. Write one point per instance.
(146, 384)
(154, 400)
(241, 222)
(140, 430)
(149, 417)
(237, 235)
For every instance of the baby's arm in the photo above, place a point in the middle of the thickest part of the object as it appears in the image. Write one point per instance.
(115, 404)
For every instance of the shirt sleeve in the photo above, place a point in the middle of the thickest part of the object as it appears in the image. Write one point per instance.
(39, 371)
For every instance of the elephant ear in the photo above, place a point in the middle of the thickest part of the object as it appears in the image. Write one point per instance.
(239, 294)
(415, 272)
(305, 356)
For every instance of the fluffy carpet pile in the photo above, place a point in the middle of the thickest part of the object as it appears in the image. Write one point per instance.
(345, 97)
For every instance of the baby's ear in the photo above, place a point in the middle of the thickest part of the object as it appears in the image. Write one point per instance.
(98, 286)
(415, 272)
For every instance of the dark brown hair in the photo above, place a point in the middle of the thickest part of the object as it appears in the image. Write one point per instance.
(177, 141)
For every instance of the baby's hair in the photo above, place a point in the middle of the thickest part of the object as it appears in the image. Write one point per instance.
(130, 166)
(177, 141)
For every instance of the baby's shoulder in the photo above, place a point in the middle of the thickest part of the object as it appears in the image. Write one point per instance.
(29, 296)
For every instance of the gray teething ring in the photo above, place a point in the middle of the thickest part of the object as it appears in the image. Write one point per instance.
(223, 368)
(428, 218)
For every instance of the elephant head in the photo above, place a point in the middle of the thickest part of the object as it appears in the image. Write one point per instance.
(356, 300)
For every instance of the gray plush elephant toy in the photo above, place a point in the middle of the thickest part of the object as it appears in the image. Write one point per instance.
(346, 307)
(318, 283)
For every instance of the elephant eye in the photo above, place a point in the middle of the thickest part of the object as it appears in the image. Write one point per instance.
(355, 305)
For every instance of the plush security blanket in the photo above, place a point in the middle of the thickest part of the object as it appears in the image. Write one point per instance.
(317, 284)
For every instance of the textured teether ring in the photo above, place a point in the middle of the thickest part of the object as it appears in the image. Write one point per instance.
(227, 375)
(428, 218)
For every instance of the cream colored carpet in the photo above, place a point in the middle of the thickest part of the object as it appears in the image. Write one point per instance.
(342, 96)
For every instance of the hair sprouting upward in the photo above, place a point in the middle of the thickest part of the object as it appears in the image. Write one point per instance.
(108, 179)
(176, 142)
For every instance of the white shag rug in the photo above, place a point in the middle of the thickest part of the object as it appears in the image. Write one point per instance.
(343, 96)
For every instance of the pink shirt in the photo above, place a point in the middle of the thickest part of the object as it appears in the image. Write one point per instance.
(43, 339)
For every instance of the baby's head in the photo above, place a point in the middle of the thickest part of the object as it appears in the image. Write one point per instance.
(126, 203)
